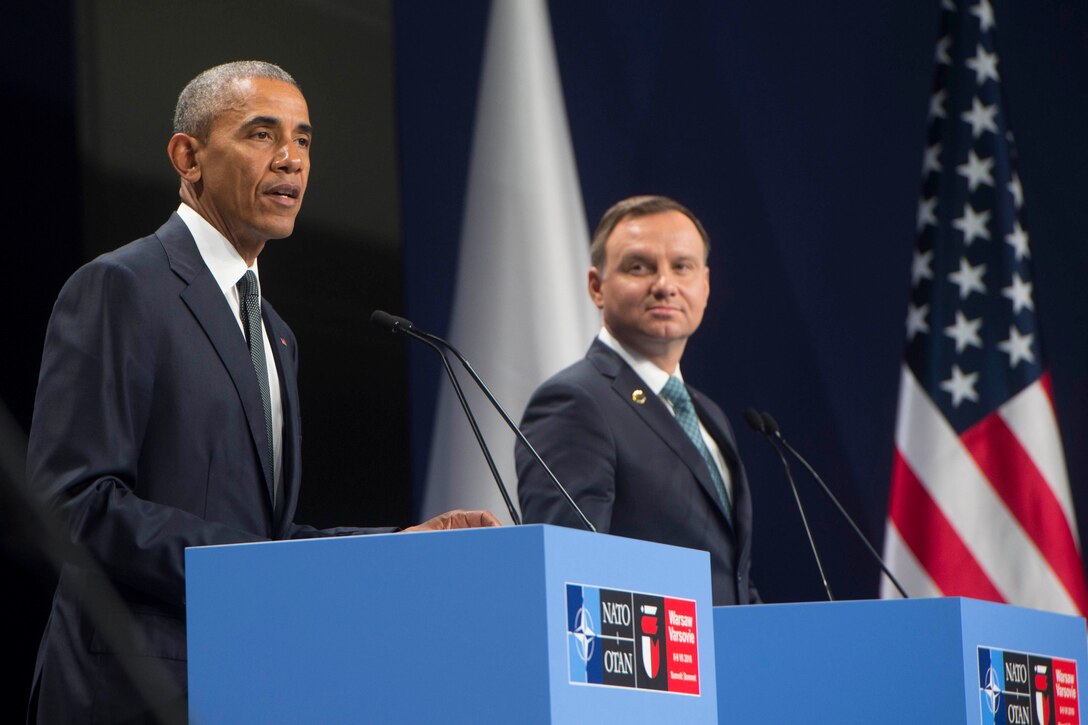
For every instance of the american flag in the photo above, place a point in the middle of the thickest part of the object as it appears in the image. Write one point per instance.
(980, 503)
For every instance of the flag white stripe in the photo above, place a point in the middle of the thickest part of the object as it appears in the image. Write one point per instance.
(1030, 416)
(910, 573)
(978, 515)
(520, 310)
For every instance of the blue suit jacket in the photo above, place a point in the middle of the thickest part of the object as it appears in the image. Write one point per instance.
(632, 469)
(148, 437)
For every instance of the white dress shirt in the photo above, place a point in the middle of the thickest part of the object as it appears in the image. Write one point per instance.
(228, 267)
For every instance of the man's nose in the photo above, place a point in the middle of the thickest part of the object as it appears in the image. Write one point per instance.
(664, 284)
(287, 159)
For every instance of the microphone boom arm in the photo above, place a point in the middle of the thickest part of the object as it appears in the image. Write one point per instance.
(395, 324)
(509, 422)
(849, 519)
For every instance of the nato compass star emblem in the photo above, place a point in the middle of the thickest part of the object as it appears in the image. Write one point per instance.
(584, 634)
(992, 690)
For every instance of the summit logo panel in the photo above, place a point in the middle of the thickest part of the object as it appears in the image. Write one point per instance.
(619, 638)
(1016, 688)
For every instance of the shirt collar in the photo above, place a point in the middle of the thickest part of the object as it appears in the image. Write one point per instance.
(654, 377)
(223, 260)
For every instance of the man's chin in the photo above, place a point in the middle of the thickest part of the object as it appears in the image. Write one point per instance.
(280, 229)
(664, 332)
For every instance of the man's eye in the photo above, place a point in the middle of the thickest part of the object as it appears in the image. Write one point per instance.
(262, 135)
(303, 142)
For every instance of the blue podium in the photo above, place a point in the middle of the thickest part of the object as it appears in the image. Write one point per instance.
(913, 661)
(532, 624)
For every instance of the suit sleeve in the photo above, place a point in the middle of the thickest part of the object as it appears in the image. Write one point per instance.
(95, 392)
(569, 430)
(305, 531)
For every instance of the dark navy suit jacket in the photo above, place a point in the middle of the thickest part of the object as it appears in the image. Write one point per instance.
(632, 469)
(148, 437)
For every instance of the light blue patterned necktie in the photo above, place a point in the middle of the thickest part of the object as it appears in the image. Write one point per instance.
(675, 392)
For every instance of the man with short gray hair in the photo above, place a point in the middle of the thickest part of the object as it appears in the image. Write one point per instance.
(167, 410)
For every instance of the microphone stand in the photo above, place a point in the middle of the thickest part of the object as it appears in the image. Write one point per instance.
(517, 431)
(771, 426)
(757, 424)
(386, 321)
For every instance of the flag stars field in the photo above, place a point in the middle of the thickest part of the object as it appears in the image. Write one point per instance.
(916, 320)
(976, 171)
(985, 14)
(973, 224)
(936, 104)
(965, 332)
(968, 278)
(941, 54)
(961, 386)
(1017, 192)
(927, 213)
(1019, 293)
(932, 161)
(1017, 347)
(981, 117)
(984, 65)
(921, 267)
(1018, 240)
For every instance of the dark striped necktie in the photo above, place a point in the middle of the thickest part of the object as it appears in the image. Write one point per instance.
(250, 294)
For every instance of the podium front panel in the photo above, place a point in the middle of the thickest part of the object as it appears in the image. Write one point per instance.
(899, 661)
(531, 624)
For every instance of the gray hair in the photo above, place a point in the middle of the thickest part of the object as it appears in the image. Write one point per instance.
(211, 93)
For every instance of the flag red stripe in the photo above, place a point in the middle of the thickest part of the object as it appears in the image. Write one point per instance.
(938, 548)
(1047, 384)
(1020, 484)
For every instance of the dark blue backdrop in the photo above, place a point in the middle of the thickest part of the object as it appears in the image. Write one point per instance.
(796, 134)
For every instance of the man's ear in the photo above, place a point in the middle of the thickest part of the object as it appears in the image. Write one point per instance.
(594, 284)
(182, 150)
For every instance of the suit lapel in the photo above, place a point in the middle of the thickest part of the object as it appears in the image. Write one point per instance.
(727, 444)
(205, 300)
(654, 414)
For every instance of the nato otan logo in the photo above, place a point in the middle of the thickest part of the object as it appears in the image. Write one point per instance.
(1017, 688)
(618, 638)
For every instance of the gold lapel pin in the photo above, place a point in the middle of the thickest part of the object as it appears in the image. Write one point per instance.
(638, 396)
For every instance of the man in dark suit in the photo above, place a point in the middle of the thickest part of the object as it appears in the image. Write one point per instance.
(167, 410)
(643, 454)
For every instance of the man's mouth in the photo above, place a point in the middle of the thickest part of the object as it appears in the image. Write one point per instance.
(287, 191)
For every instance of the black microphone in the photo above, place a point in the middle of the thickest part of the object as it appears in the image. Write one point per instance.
(389, 322)
(759, 425)
(395, 324)
(771, 429)
(755, 421)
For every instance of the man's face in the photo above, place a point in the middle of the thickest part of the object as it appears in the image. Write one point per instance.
(255, 163)
(655, 284)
